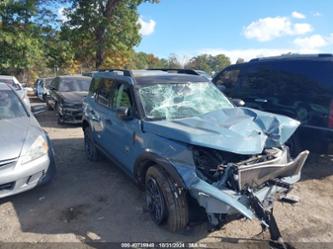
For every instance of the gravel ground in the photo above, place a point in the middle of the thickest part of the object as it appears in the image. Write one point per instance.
(89, 202)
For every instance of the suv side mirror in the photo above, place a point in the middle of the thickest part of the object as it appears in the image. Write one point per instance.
(238, 102)
(124, 113)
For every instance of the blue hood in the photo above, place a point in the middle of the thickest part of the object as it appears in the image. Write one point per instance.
(238, 130)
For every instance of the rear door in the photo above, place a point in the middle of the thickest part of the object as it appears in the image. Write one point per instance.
(99, 109)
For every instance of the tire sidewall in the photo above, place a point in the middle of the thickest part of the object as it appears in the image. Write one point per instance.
(91, 152)
(175, 202)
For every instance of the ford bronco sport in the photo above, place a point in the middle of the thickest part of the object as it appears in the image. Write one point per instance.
(180, 138)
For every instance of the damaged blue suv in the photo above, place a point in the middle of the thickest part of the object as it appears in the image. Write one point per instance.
(181, 139)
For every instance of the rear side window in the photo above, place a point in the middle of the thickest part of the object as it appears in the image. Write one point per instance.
(307, 76)
(291, 76)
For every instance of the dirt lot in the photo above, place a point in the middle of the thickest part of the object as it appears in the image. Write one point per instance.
(98, 202)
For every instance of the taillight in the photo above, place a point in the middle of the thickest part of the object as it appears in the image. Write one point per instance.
(330, 116)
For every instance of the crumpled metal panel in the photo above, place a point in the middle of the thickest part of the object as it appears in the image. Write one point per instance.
(239, 130)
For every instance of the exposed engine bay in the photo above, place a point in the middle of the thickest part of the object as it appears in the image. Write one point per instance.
(238, 172)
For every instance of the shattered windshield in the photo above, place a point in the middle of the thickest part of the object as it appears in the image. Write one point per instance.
(181, 100)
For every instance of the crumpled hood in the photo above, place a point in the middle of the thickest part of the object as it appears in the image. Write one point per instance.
(239, 130)
(73, 97)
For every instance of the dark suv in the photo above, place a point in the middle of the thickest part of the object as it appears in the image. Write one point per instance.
(299, 86)
(183, 140)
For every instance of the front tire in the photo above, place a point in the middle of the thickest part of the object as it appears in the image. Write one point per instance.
(166, 204)
(90, 148)
(60, 118)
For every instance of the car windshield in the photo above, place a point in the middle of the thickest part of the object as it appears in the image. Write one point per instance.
(47, 82)
(74, 85)
(10, 105)
(181, 100)
(11, 83)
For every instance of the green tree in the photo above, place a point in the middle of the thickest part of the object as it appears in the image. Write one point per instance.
(101, 29)
(209, 63)
(143, 60)
(173, 62)
(24, 28)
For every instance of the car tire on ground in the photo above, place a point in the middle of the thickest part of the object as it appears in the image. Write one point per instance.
(90, 148)
(166, 204)
(60, 119)
(50, 173)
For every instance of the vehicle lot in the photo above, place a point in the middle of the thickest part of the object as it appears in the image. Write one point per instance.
(98, 202)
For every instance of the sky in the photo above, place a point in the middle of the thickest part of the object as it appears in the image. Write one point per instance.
(237, 28)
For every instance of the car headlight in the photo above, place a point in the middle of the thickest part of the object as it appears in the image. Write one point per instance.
(38, 149)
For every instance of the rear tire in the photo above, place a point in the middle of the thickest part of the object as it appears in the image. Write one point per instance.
(166, 204)
(90, 148)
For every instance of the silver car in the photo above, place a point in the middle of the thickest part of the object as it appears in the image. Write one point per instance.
(26, 156)
(13, 82)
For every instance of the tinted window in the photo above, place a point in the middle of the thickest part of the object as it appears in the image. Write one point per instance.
(307, 76)
(74, 85)
(228, 78)
(10, 106)
(260, 77)
(104, 90)
(290, 76)
(121, 97)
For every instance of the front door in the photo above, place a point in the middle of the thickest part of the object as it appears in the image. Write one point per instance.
(120, 133)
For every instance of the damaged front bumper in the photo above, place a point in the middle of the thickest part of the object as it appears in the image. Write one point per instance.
(263, 181)
(71, 115)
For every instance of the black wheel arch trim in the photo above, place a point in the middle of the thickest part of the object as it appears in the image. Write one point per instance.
(148, 159)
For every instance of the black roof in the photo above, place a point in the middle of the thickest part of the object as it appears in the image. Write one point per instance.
(327, 57)
(79, 76)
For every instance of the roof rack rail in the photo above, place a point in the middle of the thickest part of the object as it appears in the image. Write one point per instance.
(176, 70)
(292, 56)
(125, 72)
